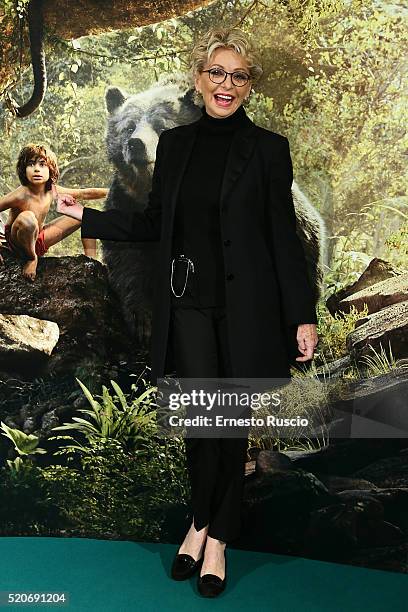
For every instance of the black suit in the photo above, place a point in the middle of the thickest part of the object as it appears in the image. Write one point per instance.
(267, 288)
(267, 294)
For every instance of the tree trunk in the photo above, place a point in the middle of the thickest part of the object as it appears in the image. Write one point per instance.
(73, 19)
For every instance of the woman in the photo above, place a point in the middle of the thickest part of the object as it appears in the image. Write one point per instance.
(221, 197)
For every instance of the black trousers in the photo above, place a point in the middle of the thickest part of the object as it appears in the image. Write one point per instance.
(216, 466)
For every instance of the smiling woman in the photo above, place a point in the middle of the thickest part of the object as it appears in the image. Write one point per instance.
(225, 84)
(224, 75)
(221, 208)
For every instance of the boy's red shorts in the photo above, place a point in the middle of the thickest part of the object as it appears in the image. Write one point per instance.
(40, 247)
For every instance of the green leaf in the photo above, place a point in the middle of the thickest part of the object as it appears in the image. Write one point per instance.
(88, 395)
(120, 394)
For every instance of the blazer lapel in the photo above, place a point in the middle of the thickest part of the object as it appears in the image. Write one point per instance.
(238, 156)
(181, 153)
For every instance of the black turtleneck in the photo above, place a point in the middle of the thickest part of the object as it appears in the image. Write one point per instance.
(196, 223)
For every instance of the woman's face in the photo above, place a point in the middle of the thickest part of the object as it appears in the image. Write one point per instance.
(221, 100)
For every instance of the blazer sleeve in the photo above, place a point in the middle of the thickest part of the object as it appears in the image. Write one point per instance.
(296, 293)
(120, 225)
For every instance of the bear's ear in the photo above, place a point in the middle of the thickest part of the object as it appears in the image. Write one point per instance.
(114, 97)
(188, 98)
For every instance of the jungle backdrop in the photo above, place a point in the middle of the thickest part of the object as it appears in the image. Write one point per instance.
(335, 83)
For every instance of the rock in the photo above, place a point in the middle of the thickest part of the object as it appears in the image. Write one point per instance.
(24, 412)
(363, 501)
(386, 472)
(303, 454)
(26, 342)
(385, 293)
(390, 558)
(342, 483)
(271, 461)
(394, 501)
(63, 410)
(286, 487)
(331, 533)
(81, 402)
(385, 496)
(276, 509)
(10, 422)
(49, 420)
(345, 457)
(379, 533)
(318, 513)
(29, 425)
(387, 325)
(373, 408)
(339, 529)
(378, 270)
(74, 293)
(335, 368)
(274, 517)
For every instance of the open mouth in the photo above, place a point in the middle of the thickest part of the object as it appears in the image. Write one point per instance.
(224, 100)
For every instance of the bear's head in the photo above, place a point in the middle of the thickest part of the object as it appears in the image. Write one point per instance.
(136, 121)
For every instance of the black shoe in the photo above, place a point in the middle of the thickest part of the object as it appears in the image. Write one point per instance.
(210, 585)
(184, 566)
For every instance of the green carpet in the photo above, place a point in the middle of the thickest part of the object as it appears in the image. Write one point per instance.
(116, 576)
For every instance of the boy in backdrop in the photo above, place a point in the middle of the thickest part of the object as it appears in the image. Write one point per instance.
(28, 205)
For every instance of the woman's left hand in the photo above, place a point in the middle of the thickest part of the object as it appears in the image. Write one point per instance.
(307, 340)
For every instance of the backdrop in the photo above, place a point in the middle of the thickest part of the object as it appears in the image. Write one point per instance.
(73, 343)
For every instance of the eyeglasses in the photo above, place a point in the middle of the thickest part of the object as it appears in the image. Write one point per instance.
(218, 75)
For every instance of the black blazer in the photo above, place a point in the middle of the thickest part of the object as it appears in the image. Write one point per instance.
(266, 282)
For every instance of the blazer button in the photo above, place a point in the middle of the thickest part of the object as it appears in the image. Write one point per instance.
(227, 242)
(230, 276)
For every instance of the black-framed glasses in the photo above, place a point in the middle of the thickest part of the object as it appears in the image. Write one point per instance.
(239, 78)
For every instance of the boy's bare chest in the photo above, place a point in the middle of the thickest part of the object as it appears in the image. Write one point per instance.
(39, 206)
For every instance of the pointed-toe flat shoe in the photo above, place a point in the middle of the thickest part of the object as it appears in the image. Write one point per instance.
(184, 566)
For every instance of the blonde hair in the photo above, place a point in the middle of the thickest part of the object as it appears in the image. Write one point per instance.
(226, 38)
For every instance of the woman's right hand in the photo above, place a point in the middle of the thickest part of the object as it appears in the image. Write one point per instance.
(67, 205)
